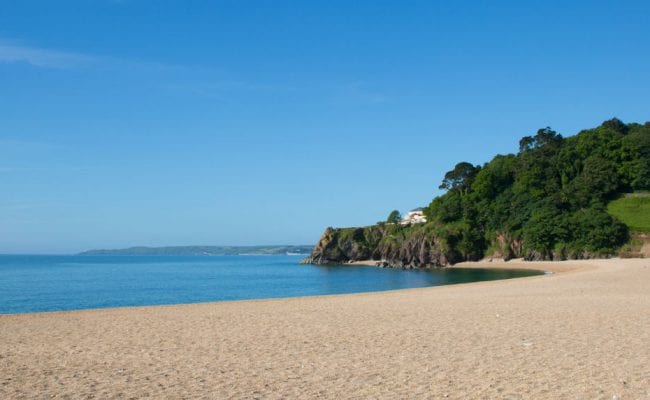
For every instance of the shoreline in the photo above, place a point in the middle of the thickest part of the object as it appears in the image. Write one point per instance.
(578, 333)
(546, 266)
(467, 264)
(513, 264)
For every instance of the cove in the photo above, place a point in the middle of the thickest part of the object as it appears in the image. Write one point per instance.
(57, 283)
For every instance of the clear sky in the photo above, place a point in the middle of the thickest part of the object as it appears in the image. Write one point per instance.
(236, 122)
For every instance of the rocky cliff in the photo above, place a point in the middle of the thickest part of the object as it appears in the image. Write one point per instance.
(389, 245)
(421, 246)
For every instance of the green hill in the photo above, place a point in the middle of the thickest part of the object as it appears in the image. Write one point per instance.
(549, 201)
(633, 211)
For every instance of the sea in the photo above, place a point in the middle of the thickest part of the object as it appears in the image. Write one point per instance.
(37, 283)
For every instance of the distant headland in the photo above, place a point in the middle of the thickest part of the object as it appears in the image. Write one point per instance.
(202, 251)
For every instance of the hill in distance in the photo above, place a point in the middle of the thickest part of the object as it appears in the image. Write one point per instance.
(202, 251)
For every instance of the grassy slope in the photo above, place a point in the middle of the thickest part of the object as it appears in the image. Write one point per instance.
(633, 211)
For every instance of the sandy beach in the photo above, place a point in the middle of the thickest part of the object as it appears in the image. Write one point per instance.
(582, 332)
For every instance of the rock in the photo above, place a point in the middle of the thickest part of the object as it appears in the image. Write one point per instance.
(415, 249)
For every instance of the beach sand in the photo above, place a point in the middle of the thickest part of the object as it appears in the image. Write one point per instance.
(580, 333)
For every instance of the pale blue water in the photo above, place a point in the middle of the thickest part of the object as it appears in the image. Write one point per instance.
(53, 283)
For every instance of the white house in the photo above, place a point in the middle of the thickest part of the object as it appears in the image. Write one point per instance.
(415, 216)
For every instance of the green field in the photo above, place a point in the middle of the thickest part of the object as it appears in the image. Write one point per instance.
(633, 211)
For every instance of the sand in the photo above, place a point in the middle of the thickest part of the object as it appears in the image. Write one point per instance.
(580, 333)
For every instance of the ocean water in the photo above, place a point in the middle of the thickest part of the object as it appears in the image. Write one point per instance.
(54, 283)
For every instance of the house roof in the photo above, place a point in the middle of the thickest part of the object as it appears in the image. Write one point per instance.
(418, 209)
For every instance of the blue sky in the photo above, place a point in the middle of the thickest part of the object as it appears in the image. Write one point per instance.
(140, 122)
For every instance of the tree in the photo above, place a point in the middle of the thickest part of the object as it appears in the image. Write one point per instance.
(446, 208)
(546, 136)
(542, 138)
(595, 231)
(394, 217)
(526, 143)
(616, 125)
(546, 202)
(495, 177)
(637, 146)
(460, 178)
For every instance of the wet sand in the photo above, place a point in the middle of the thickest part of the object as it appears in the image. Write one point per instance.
(582, 332)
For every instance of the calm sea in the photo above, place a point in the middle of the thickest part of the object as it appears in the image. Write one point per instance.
(53, 283)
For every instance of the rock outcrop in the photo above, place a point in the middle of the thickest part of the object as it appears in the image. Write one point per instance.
(419, 246)
(388, 245)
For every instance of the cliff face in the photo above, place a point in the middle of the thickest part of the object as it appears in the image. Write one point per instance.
(420, 246)
(389, 245)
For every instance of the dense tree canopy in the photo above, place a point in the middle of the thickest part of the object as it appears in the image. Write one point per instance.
(550, 197)
(460, 178)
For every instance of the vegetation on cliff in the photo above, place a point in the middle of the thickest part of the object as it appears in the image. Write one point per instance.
(548, 201)
(633, 211)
